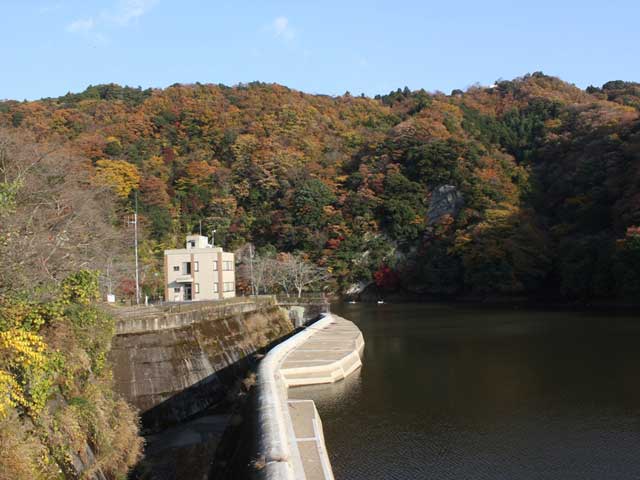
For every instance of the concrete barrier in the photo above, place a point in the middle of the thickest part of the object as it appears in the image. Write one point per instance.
(150, 319)
(278, 439)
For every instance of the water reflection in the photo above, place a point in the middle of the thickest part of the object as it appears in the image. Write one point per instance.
(448, 392)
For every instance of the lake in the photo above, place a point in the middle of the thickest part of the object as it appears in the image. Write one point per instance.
(461, 392)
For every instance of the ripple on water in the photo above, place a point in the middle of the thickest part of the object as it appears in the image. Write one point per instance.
(453, 393)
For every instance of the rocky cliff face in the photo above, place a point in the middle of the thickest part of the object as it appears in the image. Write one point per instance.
(174, 373)
(445, 200)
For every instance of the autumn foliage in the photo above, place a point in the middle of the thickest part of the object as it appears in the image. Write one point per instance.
(56, 400)
(547, 173)
(386, 278)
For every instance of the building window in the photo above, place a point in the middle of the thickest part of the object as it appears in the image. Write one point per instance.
(187, 268)
(176, 289)
(192, 243)
(215, 287)
(227, 265)
(176, 268)
(196, 286)
(196, 267)
(228, 286)
(215, 265)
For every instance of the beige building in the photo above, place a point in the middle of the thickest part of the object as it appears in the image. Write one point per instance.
(199, 272)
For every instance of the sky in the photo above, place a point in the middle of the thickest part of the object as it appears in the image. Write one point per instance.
(51, 47)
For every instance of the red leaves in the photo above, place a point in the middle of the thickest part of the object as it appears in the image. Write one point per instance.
(334, 243)
(386, 278)
(126, 288)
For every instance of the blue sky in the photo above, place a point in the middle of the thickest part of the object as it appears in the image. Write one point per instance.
(50, 47)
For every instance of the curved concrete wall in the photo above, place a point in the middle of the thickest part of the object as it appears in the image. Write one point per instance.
(277, 436)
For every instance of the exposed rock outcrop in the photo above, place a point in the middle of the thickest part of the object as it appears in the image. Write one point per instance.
(356, 289)
(445, 200)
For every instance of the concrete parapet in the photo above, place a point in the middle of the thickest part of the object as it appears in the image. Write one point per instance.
(291, 439)
(149, 319)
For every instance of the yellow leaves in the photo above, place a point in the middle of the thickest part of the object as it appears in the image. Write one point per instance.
(502, 215)
(20, 348)
(27, 365)
(462, 240)
(329, 211)
(340, 179)
(10, 393)
(23, 365)
(80, 287)
(16, 313)
(244, 146)
(120, 176)
(494, 228)
(553, 124)
(155, 166)
(417, 220)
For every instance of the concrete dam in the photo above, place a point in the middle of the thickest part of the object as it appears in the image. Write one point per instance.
(176, 363)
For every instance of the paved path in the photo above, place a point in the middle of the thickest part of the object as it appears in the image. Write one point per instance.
(329, 355)
(325, 352)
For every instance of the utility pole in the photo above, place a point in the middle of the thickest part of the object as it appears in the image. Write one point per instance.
(253, 287)
(135, 246)
(109, 282)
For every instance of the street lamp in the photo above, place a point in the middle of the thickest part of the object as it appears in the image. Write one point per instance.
(213, 238)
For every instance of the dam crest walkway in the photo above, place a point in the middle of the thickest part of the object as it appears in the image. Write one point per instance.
(291, 435)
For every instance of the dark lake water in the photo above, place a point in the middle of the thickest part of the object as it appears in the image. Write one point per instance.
(457, 392)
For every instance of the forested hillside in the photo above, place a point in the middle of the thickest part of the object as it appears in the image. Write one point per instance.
(59, 417)
(531, 186)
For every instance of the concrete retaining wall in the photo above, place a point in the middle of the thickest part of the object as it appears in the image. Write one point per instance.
(171, 374)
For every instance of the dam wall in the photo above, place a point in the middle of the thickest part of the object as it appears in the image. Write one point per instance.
(173, 364)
